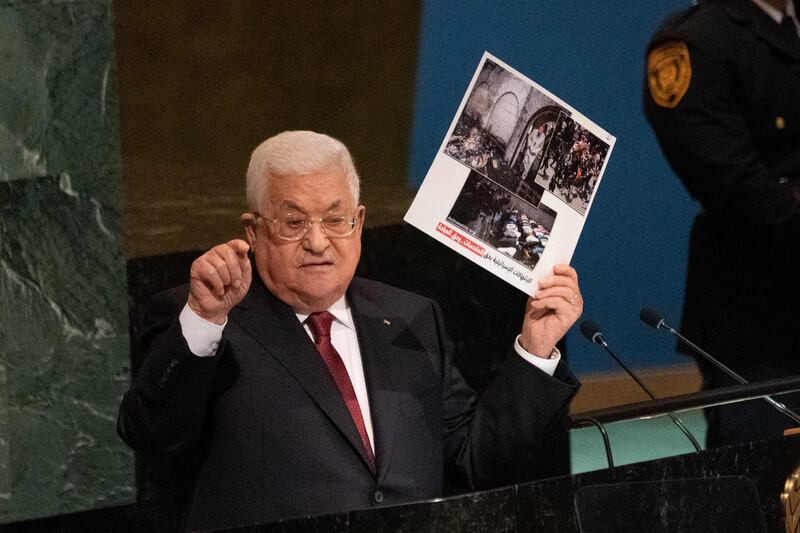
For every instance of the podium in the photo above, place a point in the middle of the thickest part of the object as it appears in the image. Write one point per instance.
(735, 489)
(730, 489)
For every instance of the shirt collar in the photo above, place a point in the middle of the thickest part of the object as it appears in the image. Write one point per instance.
(340, 311)
(776, 14)
(790, 11)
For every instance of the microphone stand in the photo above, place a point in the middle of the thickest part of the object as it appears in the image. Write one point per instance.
(589, 421)
(651, 318)
(599, 338)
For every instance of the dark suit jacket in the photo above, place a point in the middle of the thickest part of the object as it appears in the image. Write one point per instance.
(265, 435)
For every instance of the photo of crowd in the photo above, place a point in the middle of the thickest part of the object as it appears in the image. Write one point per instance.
(507, 223)
(572, 164)
(519, 137)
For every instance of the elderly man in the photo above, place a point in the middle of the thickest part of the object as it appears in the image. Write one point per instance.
(303, 389)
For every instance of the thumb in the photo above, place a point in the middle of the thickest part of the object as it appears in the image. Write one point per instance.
(239, 246)
(247, 269)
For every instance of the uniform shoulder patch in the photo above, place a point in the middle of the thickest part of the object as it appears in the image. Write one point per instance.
(669, 72)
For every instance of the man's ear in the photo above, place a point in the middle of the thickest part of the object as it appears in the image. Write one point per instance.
(249, 221)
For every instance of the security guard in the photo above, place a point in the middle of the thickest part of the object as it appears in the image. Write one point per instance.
(722, 92)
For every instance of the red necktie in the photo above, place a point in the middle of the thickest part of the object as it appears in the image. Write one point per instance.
(320, 324)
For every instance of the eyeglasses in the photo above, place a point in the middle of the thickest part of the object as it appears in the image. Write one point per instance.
(294, 226)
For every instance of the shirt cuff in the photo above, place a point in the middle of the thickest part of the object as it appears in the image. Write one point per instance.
(201, 335)
(548, 366)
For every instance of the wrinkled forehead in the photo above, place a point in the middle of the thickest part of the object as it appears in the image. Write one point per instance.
(317, 192)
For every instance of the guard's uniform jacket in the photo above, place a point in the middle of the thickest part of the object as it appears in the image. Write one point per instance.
(722, 92)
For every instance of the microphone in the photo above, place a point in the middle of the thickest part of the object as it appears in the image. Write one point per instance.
(652, 318)
(592, 332)
(655, 320)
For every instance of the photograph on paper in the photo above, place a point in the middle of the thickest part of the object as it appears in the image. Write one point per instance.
(515, 177)
(504, 221)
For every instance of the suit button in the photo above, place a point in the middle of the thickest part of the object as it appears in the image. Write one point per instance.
(378, 496)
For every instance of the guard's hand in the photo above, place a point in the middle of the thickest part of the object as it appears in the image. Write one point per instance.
(219, 280)
(555, 308)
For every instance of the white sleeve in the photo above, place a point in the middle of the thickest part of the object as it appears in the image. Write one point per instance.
(201, 335)
(548, 366)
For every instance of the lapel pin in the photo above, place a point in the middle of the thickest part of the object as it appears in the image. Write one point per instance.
(387, 322)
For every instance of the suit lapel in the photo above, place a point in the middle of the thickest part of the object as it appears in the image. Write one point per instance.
(746, 12)
(274, 325)
(376, 335)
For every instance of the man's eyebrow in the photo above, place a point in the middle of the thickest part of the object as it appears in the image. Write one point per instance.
(288, 204)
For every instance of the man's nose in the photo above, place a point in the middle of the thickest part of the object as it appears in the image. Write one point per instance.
(315, 240)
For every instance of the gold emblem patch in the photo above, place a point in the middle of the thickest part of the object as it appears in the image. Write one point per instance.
(669, 72)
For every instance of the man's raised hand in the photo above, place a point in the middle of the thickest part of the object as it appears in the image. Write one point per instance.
(219, 280)
(555, 308)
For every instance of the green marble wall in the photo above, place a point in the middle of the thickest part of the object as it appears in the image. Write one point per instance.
(63, 309)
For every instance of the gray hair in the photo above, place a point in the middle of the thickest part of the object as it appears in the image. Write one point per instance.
(296, 153)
